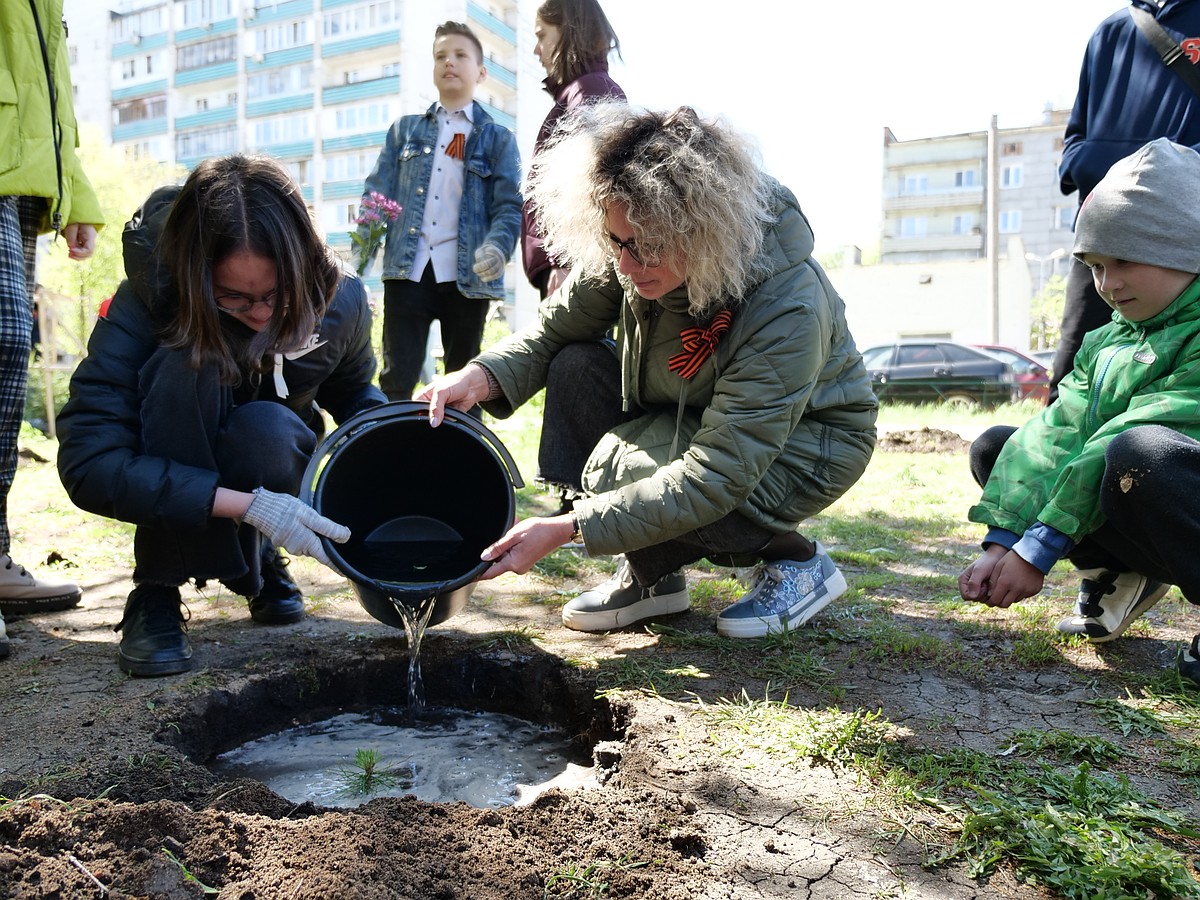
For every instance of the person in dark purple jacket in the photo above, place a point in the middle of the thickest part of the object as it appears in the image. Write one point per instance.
(1127, 97)
(574, 40)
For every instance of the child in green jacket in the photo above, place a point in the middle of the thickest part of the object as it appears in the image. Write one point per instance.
(1106, 476)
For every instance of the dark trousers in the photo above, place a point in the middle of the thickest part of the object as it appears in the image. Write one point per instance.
(409, 308)
(583, 401)
(1083, 310)
(1149, 498)
(189, 417)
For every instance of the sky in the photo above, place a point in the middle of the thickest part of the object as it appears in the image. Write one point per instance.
(815, 84)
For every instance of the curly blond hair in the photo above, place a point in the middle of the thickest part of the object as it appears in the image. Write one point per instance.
(689, 187)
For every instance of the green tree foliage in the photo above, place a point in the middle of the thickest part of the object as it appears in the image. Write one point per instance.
(121, 185)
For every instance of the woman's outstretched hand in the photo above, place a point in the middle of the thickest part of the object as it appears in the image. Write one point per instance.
(460, 390)
(526, 543)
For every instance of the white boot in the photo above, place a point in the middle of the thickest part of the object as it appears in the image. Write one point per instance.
(3, 639)
(20, 592)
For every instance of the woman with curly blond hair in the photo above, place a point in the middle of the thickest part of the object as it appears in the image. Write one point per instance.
(744, 405)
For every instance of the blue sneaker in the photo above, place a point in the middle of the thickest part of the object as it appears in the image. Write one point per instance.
(787, 595)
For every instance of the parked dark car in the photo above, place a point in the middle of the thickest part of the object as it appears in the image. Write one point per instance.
(1032, 377)
(930, 371)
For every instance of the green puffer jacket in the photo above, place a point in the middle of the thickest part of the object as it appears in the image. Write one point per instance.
(777, 424)
(1126, 374)
(28, 148)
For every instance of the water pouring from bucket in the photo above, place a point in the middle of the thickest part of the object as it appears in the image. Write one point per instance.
(421, 503)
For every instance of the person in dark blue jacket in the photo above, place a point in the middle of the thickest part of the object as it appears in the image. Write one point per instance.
(1127, 97)
(198, 406)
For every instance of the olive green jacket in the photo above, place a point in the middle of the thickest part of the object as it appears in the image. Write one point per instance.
(30, 151)
(777, 424)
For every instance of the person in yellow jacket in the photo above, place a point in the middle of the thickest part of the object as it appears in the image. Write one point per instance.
(42, 189)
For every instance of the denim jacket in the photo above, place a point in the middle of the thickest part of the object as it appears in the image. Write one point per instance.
(491, 200)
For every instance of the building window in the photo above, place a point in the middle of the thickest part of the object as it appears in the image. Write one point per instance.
(193, 56)
(916, 184)
(299, 169)
(1064, 218)
(964, 178)
(139, 110)
(282, 37)
(210, 142)
(276, 82)
(390, 70)
(350, 166)
(913, 226)
(128, 69)
(280, 130)
(364, 117)
(360, 19)
(963, 224)
(1010, 221)
(1010, 176)
(1011, 149)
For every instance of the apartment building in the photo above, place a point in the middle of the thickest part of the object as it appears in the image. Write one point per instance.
(314, 83)
(935, 196)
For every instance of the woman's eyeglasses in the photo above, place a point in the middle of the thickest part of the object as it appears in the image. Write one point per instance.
(240, 303)
(641, 257)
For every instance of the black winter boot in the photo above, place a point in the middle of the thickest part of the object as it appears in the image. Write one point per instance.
(152, 633)
(280, 601)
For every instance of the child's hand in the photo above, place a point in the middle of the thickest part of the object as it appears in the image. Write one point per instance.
(1013, 580)
(973, 582)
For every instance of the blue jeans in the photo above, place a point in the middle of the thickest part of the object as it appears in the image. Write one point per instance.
(188, 416)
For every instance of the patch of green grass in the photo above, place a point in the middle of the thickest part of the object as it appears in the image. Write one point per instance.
(1035, 648)
(516, 637)
(586, 881)
(1067, 745)
(660, 674)
(1079, 834)
(1126, 716)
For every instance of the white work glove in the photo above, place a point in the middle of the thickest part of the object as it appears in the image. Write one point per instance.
(289, 522)
(489, 262)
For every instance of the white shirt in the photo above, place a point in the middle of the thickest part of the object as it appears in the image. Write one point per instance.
(439, 225)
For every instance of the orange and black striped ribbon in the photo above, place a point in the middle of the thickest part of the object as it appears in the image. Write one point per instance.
(699, 344)
(457, 144)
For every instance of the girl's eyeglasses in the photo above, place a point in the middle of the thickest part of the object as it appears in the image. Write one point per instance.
(240, 303)
(641, 257)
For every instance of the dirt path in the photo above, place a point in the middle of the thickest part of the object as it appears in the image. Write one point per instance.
(109, 795)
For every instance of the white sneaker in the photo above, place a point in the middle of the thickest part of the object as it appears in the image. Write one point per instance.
(1108, 603)
(4, 648)
(20, 592)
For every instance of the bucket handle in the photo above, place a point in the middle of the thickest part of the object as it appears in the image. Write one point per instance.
(402, 409)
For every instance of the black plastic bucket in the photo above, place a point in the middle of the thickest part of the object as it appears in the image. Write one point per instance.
(421, 504)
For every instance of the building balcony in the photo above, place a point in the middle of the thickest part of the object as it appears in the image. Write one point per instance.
(134, 131)
(477, 13)
(361, 90)
(390, 38)
(372, 139)
(205, 31)
(206, 119)
(508, 120)
(141, 89)
(950, 199)
(932, 243)
(221, 71)
(505, 76)
(293, 9)
(350, 189)
(142, 43)
(276, 105)
(279, 58)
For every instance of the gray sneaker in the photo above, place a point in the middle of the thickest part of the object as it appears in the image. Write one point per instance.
(787, 595)
(621, 601)
(1108, 603)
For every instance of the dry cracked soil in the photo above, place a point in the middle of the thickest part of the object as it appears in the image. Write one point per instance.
(105, 789)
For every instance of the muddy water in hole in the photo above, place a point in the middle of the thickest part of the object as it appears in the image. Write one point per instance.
(488, 760)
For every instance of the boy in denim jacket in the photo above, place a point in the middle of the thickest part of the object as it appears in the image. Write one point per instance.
(1108, 476)
(456, 174)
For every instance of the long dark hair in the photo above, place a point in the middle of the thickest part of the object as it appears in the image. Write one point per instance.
(245, 203)
(587, 37)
